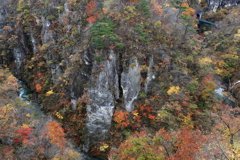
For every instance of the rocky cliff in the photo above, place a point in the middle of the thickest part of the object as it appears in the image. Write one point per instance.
(86, 59)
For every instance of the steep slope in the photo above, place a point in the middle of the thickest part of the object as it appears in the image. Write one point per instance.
(25, 130)
(106, 69)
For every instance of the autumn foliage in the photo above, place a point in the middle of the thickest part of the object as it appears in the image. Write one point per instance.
(180, 145)
(38, 87)
(56, 134)
(188, 11)
(187, 144)
(90, 11)
(143, 114)
(176, 113)
(24, 134)
(121, 118)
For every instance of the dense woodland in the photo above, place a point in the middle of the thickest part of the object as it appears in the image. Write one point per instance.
(173, 85)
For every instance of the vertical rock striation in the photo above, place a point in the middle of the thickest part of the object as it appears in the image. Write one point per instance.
(19, 56)
(130, 83)
(103, 91)
(150, 75)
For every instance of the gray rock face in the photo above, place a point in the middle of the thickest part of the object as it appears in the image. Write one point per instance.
(130, 84)
(99, 121)
(235, 91)
(150, 75)
(46, 35)
(216, 4)
(2, 16)
(19, 56)
(56, 72)
(34, 44)
(225, 97)
(103, 91)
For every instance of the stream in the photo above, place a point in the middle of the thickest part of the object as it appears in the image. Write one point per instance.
(40, 118)
(224, 96)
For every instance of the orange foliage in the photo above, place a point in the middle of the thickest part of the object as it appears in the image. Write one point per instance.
(56, 134)
(6, 27)
(145, 111)
(157, 8)
(120, 118)
(40, 75)
(151, 116)
(91, 19)
(38, 87)
(90, 8)
(188, 143)
(189, 11)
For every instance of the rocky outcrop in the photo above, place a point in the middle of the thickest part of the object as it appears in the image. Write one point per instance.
(19, 56)
(103, 91)
(46, 35)
(130, 83)
(62, 60)
(235, 92)
(150, 75)
(217, 4)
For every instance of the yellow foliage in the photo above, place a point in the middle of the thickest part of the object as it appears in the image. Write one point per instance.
(49, 93)
(11, 80)
(25, 126)
(135, 114)
(103, 147)
(205, 61)
(41, 64)
(222, 72)
(144, 68)
(105, 10)
(20, 1)
(6, 110)
(222, 64)
(130, 12)
(58, 115)
(207, 33)
(187, 121)
(28, 115)
(158, 24)
(44, 47)
(173, 89)
(237, 36)
(209, 89)
(185, 5)
(166, 5)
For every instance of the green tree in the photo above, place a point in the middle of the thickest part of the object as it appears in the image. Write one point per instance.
(103, 34)
(186, 15)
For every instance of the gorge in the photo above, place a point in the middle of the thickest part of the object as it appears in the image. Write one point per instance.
(102, 70)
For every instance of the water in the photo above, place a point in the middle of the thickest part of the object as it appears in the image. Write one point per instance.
(223, 97)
